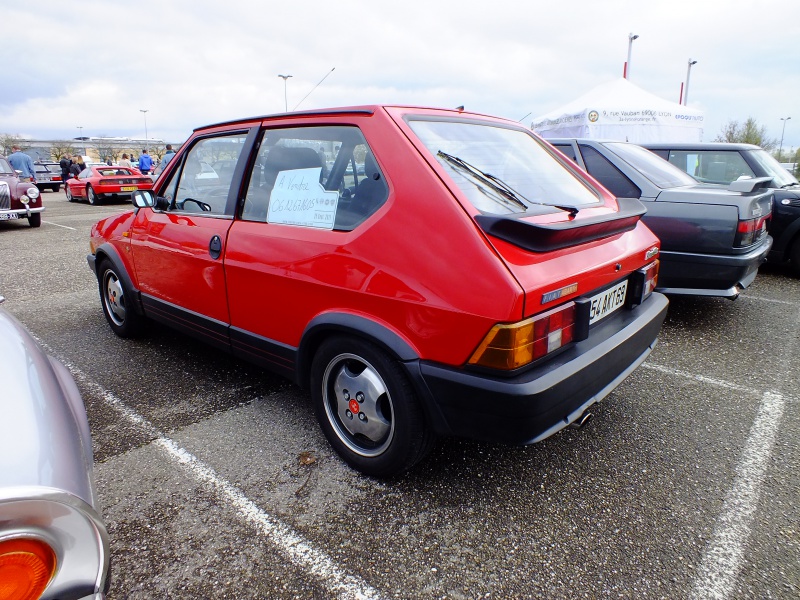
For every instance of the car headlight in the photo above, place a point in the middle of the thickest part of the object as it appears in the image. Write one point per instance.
(33, 192)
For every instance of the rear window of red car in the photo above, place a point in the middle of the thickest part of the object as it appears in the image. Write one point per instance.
(521, 172)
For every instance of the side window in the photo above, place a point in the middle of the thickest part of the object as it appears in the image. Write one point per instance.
(567, 150)
(599, 167)
(722, 167)
(687, 161)
(320, 177)
(203, 180)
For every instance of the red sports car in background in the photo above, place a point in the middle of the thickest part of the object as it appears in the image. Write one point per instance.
(98, 182)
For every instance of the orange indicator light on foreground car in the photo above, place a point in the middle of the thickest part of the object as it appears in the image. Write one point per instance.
(26, 567)
(512, 346)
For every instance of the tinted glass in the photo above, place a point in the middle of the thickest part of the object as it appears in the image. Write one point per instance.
(715, 166)
(513, 156)
(599, 167)
(780, 176)
(656, 169)
(320, 177)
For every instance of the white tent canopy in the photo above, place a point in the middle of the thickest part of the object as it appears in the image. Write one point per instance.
(620, 110)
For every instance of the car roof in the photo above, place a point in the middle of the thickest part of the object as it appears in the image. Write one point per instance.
(700, 146)
(344, 110)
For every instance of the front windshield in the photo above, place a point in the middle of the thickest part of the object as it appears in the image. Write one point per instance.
(5, 168)
(660, 172)
(780, 176)
(523, 167)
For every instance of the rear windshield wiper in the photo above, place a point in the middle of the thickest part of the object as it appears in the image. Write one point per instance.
(508, 195)
(500, 186)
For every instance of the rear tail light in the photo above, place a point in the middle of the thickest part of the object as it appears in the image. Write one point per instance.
(107, 182)
(643, 282)
(510, 346)
(143, 180)
(750, 231)
(26, 568)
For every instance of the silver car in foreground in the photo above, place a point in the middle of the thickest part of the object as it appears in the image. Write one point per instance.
(53, 543)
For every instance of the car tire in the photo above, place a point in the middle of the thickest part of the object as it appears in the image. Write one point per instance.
(68, 194)
(35, 220)
(56, 188)
(116, 299)
(389, 434)
(91, 196)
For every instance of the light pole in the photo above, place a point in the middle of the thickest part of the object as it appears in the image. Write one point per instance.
(80, 137)
(686, 89)
(144, 111)
(631, 37)
(285, 101)
(780, 150)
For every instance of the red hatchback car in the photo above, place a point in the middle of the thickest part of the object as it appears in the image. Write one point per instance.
(423, 272)
(98, 182)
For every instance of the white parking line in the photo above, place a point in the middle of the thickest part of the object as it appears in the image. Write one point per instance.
(57, 225)
(763, 299)
(698, 378)
(719, 569)
(298, 550)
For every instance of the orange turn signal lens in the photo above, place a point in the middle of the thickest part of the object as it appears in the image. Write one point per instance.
(26, 568)
(510, 346)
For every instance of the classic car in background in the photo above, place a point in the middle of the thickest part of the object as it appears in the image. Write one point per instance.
(48, 175)
(712, 239)
(98, 182)
(18, 199)
(53, 543)
(722, 163)
(445, 274)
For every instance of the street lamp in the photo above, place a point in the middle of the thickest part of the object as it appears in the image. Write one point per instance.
(780, 150)
(631, 37)
(686, 89)
(144, 111)
(285, 101)
(80, 137)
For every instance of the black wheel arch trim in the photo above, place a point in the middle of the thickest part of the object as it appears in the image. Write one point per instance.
(322, 325)
(107, 251)
(789, 237)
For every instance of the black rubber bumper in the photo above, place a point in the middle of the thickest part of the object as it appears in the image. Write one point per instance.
(710, 274)
(533, 405)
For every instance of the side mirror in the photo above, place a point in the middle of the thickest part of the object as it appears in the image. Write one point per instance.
(143, 198)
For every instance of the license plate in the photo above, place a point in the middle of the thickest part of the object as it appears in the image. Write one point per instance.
(8, 216)
(605, 303)
(128, 188)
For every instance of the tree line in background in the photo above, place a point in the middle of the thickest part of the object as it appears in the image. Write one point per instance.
(58, 149)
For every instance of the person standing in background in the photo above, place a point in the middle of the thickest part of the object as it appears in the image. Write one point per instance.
(65, 164)
(22, 162)
(167, 156)
(125, 162)
(145, 162)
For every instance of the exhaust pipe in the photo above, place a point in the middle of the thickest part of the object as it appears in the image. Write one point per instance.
(582, 420)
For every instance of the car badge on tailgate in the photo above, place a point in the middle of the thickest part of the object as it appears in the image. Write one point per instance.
(556, 294)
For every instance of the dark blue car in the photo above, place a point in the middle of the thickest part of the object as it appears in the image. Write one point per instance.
(722, 163)
(713, 239)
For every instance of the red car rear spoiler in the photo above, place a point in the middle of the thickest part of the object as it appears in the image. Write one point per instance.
(546, 237)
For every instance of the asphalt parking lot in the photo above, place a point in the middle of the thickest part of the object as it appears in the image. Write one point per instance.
(217, 483)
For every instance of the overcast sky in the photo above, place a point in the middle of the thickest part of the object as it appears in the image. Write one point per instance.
(96, 64)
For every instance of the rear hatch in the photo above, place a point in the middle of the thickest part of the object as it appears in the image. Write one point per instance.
(559, 235)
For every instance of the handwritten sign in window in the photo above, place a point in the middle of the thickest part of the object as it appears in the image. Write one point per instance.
(298, 198)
